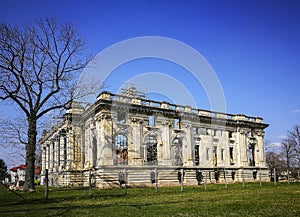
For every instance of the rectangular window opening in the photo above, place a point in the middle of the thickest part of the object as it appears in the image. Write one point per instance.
(177, 123)
(196, 130)
(215, 156)
(122, 117)
(151, 121)
(222, 154)
(197, 157)
(231, 155)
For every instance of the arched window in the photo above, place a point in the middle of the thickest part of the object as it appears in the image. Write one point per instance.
(177, 152)
(121, 150)
(151, 149)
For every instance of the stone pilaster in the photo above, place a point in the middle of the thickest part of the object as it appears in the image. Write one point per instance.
(242, 158)
(134, 145)
(188, 147)
(107, 141)
(166, 142)
(260, 155)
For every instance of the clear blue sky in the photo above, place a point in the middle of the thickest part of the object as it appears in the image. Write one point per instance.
(252, 45)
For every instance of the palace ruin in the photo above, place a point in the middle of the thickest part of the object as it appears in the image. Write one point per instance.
(134, 136)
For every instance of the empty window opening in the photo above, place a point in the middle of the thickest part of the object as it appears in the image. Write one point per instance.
(222, 154)
(254, 175)
(232, 175)
(151, 144)
(215, 156)
(177, 152)
(196, 130)
(197, 157)
(121, 150)
(122, 117)
(231, 155)
(252, 155)
(151, 121)
(177, 123)
(217, 175)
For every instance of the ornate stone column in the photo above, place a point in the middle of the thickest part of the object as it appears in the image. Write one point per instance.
(134, 146)
(61, 149)
(68, 152)
(106, 131)
(225, 147)
(260, 155)
(166, 142)
(242, 147)
(188, 147)
(51, 156)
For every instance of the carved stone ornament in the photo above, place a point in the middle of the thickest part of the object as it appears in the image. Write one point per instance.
(259, 132)
(103, 116)
(137, 120)
(123, 131)
(252, 141)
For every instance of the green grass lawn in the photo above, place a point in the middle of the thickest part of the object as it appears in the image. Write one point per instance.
(252, 200)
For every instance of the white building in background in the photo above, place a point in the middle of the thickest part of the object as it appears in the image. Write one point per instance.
(130, 133)
(17, 174)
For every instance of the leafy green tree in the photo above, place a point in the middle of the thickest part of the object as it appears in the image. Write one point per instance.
(3, 170)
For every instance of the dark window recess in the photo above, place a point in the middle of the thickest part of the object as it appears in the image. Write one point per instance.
(231, 155)
(215, 156)
(222, 154)
(197, 157)
(252, 155)
(122, 117)
(151, 144)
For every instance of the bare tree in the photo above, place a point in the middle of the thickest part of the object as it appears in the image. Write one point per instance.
(274, 161)
(287, 154)
(291, 148)
(38, 66)
(294, 138)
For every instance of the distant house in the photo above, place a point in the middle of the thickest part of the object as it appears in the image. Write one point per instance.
(13, 175)
(18, 174)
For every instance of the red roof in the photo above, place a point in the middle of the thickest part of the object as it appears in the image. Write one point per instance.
(22, 167)
(37, 169)
(14, 169)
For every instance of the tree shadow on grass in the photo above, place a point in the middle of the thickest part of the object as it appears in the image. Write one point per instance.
(51, 210)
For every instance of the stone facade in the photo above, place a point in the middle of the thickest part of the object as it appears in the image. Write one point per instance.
(128, 137)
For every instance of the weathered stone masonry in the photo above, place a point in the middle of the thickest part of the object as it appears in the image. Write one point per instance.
(128, 133)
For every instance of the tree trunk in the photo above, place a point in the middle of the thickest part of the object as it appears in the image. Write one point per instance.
(30, 153)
